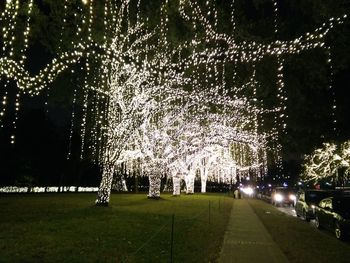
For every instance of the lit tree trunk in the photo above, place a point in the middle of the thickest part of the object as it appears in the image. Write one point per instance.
(125, 187)
(204, 174)
(204, 177)
(111, 156)
(154, 185)
(189, 184)
(136, 182)
(104, 190)
(176, 185)
(203, 184)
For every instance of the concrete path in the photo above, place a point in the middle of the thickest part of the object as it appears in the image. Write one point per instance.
(247, 240)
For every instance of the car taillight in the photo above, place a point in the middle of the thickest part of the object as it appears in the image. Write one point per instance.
(292, 197)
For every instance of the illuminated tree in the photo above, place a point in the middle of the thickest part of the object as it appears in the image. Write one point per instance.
(175, 103)
(345, 153)
(326, 163)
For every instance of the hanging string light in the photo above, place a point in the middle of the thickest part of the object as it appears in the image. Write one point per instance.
(280, 116)
(331, 89)
(141, 83)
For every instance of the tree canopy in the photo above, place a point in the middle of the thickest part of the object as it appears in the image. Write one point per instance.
(286, 61)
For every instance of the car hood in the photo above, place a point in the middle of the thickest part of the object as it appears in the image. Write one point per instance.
(312, 203)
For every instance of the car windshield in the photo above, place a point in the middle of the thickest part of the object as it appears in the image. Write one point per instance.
(316, 197)
(283, 190)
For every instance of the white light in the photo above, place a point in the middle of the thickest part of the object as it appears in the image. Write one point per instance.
(137, 109)
(248, 190)
(278, 197)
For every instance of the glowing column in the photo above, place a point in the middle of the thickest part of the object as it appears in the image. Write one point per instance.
(176, 184)
(104, 191)
(154, 178)
(204, 175)
(154, 186)
(189, 180)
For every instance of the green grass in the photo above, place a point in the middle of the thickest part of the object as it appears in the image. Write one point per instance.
(300, 241)
(69, 228)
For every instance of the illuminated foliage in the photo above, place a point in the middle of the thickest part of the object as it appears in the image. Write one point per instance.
(329, 162)
(174, 102)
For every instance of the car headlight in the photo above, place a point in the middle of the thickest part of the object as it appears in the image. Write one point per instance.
(248, 190)
(292, 197)
(278, 198)
(313, 208)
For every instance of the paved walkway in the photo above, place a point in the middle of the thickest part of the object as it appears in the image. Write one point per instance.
(247, 240)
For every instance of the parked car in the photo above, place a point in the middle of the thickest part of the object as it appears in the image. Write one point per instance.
(283, 196)
(333, 213)
(308, 199)
(264, 194)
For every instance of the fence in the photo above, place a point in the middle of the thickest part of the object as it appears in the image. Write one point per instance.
(205, 214)
(51, 189)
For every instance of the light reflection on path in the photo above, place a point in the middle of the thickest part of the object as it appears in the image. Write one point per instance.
(287, 210)
(291, 211)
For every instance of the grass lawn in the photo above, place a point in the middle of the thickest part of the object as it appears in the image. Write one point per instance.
(300, 241)
(69, 228)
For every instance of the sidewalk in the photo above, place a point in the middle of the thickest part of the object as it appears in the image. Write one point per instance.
(247, 240)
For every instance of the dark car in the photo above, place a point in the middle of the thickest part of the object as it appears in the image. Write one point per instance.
(308, 199)
(283, 196)
(333, 213)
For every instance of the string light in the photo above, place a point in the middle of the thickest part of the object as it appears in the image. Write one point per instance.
(280, 116)
(163, 106)
(331, 89)
(69, 153)
(325, 163)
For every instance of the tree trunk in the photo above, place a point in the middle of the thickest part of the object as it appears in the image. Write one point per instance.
(190, 185)
(136, 182)
(104, 190)
(125, 187)
(204, 177)
(154, 186)
(176, 185)
(203, 185)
